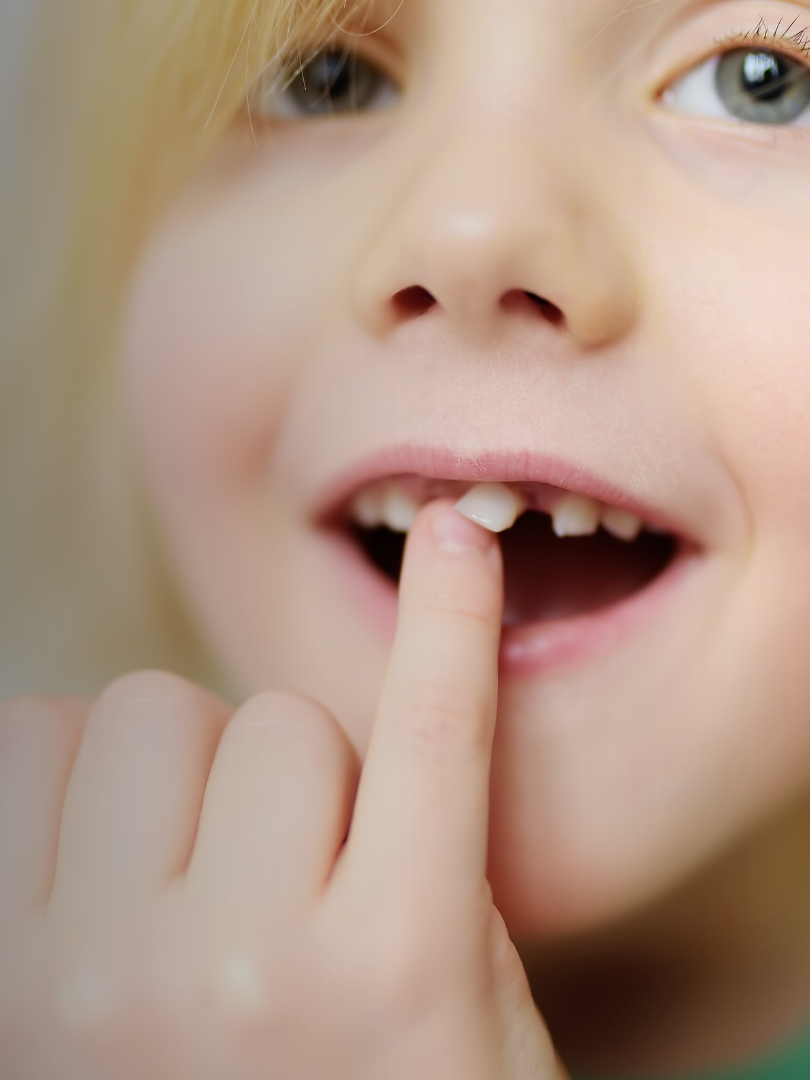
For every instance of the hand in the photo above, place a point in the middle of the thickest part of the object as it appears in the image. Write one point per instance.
(177, 899)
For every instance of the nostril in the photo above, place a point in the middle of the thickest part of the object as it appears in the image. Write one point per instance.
(549, 311)
(519, 300)
(412, 302)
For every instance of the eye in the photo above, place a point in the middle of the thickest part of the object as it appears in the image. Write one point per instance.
(334, 81)
(756, 85)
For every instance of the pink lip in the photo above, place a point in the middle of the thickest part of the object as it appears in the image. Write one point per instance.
(530, 649)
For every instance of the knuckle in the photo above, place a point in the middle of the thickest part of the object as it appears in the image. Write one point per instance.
(123, 997)
(275, 707)
(442, 717)
(103, 1019)
(248, 990)
(299, 725)
(146, 697)
(470, 606)
(145, 687)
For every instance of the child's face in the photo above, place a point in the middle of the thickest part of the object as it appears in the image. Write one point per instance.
(283, 353)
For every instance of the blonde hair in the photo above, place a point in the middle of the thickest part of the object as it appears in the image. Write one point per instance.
(121, 100)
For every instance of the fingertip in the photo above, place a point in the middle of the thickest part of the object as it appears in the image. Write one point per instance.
(451, 564)
(453, 532)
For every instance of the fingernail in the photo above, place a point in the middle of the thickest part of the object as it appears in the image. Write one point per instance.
(453, 532)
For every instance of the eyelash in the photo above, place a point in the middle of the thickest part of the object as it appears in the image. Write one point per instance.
(796, 44)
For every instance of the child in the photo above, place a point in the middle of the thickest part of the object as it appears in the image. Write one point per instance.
(306, 277)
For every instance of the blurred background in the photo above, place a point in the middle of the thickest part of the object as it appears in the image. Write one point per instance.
(16, 17)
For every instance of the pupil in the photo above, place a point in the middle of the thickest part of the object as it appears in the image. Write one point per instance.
(336, 82)
(325, 84)
(334, 76)
(764, 76)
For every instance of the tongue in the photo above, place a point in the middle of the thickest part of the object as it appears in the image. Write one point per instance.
(549, 578)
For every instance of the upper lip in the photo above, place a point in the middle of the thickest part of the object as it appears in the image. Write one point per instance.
(505, 466)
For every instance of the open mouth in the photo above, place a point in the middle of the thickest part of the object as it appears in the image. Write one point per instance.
(565, 555)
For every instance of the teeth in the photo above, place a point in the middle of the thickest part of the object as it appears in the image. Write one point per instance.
(621, 523)
(495, 506)
(367, 507)
(385, 504)
(576, 515)
(398, 510)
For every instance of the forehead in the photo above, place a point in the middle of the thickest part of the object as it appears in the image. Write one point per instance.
(599, 16)
(585, 23)
(614, 26)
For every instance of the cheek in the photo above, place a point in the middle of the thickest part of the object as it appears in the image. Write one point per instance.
(742, 334)
(750, 371)
(221, 339)
(205, 378)
(730, 311)
(227, 309)
(213, 344)
(743, 339)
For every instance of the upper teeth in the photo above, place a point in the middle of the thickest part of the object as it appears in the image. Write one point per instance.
(621, 523)
(367, 508)
(388, 505)
(575, 515)
(399, 510)
(494, 506)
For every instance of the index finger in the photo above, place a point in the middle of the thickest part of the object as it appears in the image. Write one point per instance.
(422, 808)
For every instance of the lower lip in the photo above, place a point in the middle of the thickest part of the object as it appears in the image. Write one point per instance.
(532, 648)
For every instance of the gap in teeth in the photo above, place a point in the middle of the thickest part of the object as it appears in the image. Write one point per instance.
(395, 502)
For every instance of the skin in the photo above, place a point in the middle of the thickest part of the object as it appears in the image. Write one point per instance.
(641, 794)
(216, 925)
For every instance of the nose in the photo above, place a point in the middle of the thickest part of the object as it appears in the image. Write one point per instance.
(488, 226)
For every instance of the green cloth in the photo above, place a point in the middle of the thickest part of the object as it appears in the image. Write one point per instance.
(792, 1062)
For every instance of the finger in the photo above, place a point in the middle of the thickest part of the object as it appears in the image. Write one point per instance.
(134, 798)
(422, 808)
(39, 738)
(277, 806)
